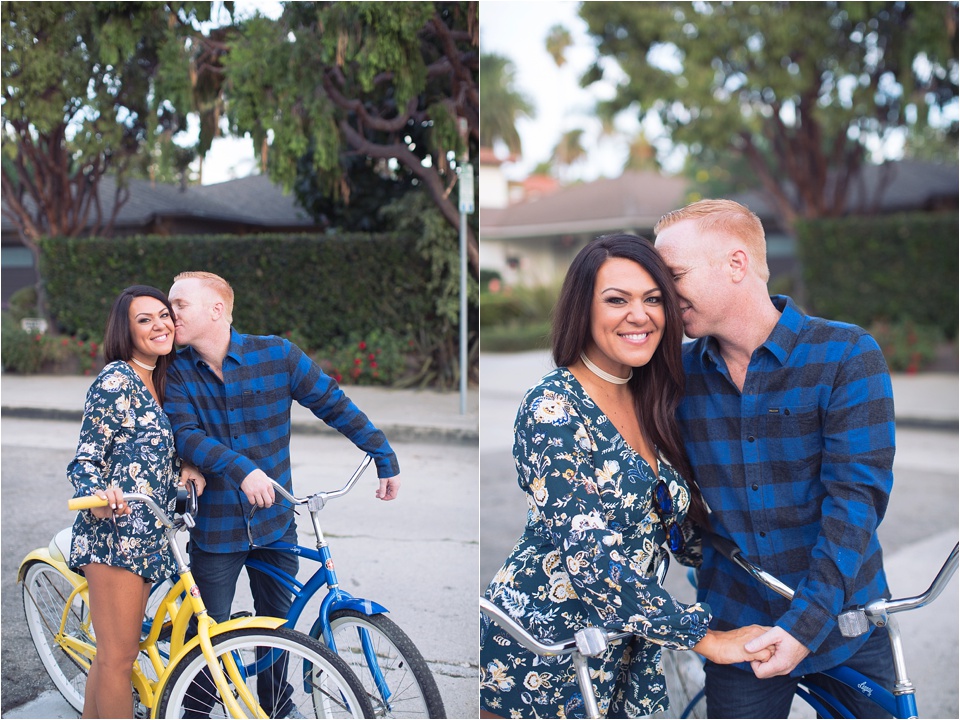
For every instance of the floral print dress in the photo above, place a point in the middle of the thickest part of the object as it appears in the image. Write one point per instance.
(583, 559)
(125, 441)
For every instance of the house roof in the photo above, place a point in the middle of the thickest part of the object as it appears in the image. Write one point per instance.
(253, 200)
(638, 200)
(634, 200)
(911, 185)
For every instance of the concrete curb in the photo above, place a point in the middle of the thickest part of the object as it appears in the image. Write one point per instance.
(396, 433)
(416, 433)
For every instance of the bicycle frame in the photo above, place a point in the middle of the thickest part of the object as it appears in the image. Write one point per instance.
(335, 598)
(190, 604)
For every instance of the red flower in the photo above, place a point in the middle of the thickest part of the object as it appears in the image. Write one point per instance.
(373, 363)
(372, 356)
(357, 361)
(65, 341)
(362, 345)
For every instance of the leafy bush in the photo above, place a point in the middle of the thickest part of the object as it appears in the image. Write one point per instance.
(907, 346)
(377, 358)
(516, 337)
(29, 353)
(517, 304)
(893, 268)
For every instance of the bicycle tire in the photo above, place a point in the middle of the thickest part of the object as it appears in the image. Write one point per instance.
(45, 592)
(413, 689)
(327, 688)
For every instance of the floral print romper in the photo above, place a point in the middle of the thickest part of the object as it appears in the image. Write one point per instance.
(583, 559)
(125, 441)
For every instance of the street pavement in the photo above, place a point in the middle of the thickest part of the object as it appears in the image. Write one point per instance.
(416, 555)
(918, 532)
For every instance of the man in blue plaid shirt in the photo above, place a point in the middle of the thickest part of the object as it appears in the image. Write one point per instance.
(788, 422)
(229, 397)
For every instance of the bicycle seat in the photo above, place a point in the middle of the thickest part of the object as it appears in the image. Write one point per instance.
(60, 545)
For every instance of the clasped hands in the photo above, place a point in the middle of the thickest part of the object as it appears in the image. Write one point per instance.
(771, 651)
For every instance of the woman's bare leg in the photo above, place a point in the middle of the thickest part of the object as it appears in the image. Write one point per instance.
(118, 598)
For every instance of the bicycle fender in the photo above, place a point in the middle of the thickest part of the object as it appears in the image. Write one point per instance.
(367, 607)
(255, 621)
(43, 555)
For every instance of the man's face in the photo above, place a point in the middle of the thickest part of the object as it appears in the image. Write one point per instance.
(192, 302)
(695, 261)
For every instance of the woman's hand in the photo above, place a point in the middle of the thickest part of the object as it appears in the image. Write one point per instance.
(190, 473)
(115, 504)
(727, 646)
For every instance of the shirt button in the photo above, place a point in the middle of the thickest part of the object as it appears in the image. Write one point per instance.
(755, 486)
(763, 534)
(236, 437)
(750, 438)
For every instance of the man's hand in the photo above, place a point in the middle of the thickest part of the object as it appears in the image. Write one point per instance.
(258, 488)
(788, 652)
(389, 487)
(190, 473)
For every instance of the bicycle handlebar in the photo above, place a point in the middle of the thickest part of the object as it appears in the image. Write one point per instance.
(321, 498)
(186, 507)
(92, 501)
(855, 621)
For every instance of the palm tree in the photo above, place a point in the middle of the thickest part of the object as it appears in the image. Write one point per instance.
(569, 150)
(500, 103)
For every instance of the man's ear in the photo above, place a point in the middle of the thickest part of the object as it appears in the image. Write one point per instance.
(216, 310)
(738, 262)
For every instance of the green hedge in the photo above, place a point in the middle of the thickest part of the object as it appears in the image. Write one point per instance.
(891, 268)
(325, 287)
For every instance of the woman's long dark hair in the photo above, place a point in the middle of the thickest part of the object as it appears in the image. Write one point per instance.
(118, 341)
(657, 387)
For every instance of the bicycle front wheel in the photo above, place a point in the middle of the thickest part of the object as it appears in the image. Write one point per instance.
(288, 674)
(394, 674)
(45, 593)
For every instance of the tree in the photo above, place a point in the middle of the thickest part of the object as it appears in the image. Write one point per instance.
(501, 104)
(88, 87)
(569, 149)
(361, 87)
(799, 90)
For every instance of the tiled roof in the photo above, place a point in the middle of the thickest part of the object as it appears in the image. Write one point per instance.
(634, 200)
(254, 200)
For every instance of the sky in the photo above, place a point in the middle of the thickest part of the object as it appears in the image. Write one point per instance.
(518, 30)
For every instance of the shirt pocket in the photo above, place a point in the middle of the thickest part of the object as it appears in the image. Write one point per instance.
(792, 434)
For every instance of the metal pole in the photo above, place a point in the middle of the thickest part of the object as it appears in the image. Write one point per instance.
(464, 327)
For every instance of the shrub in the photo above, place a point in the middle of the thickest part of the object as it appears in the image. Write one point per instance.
(892, 268)
(907, 346)
(376, 358)
(28, 353)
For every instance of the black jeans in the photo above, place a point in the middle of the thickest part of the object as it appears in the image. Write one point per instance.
(216, 575)
(735, 693)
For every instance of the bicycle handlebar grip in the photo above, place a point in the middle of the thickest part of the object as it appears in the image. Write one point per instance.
(726, 547)
(85, 503)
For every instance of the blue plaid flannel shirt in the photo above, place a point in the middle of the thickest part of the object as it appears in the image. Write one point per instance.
(230, 428)
(797, 470)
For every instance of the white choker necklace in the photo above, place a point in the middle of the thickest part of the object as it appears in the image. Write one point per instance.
(151, 368)
(602, 374)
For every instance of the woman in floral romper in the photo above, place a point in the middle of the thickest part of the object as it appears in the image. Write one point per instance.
(126, 445)
(599, 456)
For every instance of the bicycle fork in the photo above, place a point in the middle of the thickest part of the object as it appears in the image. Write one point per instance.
(336, 596)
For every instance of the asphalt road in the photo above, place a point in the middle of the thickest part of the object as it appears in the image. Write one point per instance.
(416, 555)
(918, 532)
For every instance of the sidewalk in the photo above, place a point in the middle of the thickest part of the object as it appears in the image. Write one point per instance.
(403, 415)
(926, 400)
